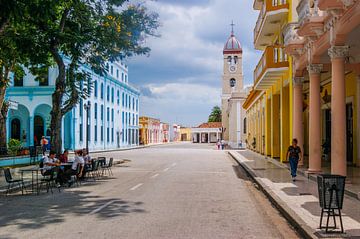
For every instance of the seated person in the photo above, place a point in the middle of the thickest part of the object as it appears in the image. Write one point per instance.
(78, 161)
(51, 166)
(64, 157)
(87, 162)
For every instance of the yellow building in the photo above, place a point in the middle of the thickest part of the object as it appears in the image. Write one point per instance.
(149, 130)
(307, 83)
(268, 104)
(185, 134)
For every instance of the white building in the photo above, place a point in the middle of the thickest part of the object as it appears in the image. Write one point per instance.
(113, 114)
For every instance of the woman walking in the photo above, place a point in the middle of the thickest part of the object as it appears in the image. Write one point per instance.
(294, 156)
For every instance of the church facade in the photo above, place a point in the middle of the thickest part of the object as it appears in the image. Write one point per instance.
(233, 94)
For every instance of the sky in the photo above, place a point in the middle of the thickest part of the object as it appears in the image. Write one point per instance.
(180, 81)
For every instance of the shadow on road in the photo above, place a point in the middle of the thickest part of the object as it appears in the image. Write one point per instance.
(33, 212)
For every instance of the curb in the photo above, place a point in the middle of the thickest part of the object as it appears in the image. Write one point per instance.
(300, 226)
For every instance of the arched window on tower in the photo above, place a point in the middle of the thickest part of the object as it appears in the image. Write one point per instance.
(232, 82)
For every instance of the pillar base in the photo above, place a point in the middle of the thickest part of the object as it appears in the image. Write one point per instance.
(313, 171)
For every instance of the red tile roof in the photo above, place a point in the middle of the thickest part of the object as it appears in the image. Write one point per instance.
(210, 125)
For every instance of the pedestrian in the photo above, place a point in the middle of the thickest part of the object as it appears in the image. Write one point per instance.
(44, 143)
(222, 142)
(218, 144)
(294, 156)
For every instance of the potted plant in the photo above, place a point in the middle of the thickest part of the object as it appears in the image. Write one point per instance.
(14, 146)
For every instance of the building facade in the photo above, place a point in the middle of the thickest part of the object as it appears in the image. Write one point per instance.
(233, 94)
(308, 86)
(113, 113)
(150, 130)
(164, 132)
(207, 133)
(185, 133)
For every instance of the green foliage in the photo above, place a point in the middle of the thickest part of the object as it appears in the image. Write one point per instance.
(14, 146)
(215, 115)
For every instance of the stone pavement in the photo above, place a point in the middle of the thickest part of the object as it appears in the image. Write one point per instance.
(298, 201)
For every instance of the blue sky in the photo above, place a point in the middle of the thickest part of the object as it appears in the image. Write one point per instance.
(181, 79)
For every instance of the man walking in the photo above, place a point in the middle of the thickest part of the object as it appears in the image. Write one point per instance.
(294, 156)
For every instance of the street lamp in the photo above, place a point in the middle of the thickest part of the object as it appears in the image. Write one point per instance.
(87, 108)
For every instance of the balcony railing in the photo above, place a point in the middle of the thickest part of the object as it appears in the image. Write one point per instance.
(306, 9)
(268, 5)
(273, 57)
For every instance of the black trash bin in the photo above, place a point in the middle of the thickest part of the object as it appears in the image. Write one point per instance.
(331, 197)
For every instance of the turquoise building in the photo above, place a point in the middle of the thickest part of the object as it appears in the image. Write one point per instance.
(113, 114)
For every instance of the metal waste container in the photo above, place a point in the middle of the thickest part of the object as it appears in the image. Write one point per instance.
(331, 197)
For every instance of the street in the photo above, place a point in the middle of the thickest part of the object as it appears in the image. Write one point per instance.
(179, 190)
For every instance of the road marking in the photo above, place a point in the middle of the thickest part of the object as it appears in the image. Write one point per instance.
(154, 176)
(173, 165)
(135, 187)
(102, 207)
(166, 169)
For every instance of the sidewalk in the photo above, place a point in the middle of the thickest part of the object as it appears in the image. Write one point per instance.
(297, 201)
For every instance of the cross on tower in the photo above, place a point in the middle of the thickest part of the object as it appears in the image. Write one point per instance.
(232, 27)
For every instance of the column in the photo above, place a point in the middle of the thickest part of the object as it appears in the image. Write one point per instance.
(31, 127)
(200, 139)
(298, 128)
(358, 118)
(315, 119)
(208, 137)
(275, 126)
(338, 109)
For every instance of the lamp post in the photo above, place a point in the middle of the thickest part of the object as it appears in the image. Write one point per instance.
(87, 108)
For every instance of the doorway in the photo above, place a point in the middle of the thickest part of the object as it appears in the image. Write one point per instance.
(15, 129)
(38, 129)
(349, 133)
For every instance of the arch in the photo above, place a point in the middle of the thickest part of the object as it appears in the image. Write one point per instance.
(15, 130)
(232, 82)
(22, 115)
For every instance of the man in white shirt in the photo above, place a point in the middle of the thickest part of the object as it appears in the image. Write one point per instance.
(51, 166)
(78, 162)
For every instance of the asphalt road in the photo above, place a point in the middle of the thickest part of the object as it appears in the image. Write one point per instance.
(173, 191)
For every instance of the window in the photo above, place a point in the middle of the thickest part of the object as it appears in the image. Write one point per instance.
(129, 118)
(81, 107)
(112, 69)
(122, 77)
(117, 73)
(112, 115)
(108, 93)
(122, 135)
(81, 131)
(126, 100)
(244, 125)
(18, 81)
(123, 99)
(133, 119)
(107, 67)
(96, 89)
(232, 82)
(108, 114)
(95, 133)
(102, 133)
(102, 112)
(95, 110)
(126, 118)
(44, 81)
(102, 91)
(112, 135)
(126, 78)
(122, 118)
(133, 103)
(137, 105)
(118, 97)
(112, 95)
(107, 134)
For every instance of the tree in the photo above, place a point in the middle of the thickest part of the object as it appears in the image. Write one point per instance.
(12, 55)
(76, 32)
(215, 115)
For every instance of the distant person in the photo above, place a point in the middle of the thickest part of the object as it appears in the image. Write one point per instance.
(44, 144)
(222, 142)
(294, 156)
(64, 157)
(78, 162)
(218, 144)
(87, 163)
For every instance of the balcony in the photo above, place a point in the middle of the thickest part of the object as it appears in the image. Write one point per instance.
(272, 14)
(272, 65)
(294, 43)
(311, 19)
